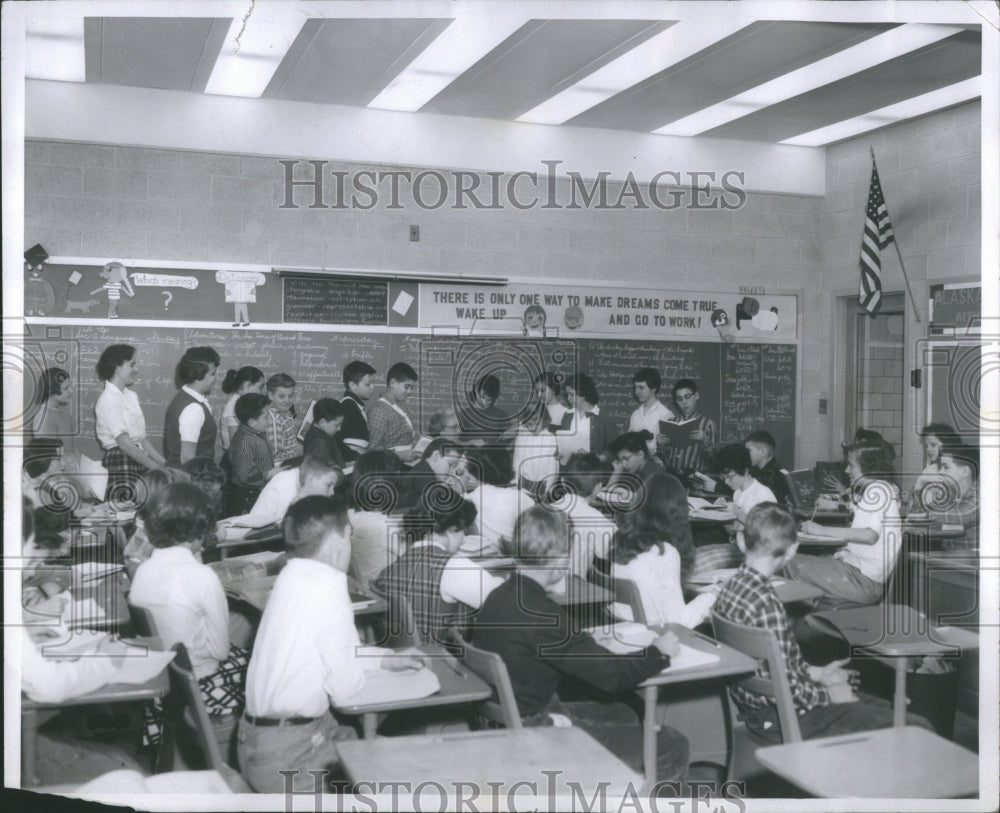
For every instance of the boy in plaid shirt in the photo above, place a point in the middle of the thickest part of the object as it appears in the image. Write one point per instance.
(282, 427)
(823, 695)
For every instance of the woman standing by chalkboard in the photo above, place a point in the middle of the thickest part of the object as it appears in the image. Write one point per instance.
(121, 427)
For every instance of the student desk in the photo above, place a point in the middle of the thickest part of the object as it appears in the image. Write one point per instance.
(731, 662)
(109, 594)
(810, 543)
(110, 693)
(496, 766)
(889, 763)
(458, 685)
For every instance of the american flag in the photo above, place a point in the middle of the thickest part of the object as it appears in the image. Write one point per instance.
(877, 235)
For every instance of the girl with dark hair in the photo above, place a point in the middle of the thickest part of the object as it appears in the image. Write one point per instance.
(376, 491)
(858, 572)
(120, 425)
(654, 548)
(236, 383)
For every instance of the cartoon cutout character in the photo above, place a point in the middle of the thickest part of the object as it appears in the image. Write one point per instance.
(115, 276)
(573, 317)
(241, 290)
(534, 320)
(39, 295)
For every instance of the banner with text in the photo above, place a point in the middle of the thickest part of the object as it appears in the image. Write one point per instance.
(559, 310)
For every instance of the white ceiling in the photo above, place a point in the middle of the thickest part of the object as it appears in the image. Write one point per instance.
(730, 72)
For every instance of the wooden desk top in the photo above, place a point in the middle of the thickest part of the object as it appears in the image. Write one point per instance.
(109, 594)
(458, 685)
(731, 661)
(888, 763)
(790, 591)
(501, 758)
(818, 541)
(579, 591)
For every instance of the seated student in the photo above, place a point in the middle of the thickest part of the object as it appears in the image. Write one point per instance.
(250, 456)
(537, 655)
(43, 479)
(536, 452)
(733, 462)
(185, 596)
(633, 466)
(358, 388)
(282, 426)
(313, 476)
(439, 463)
(307, 654)
(444, 424)
(482, 421)
(488, 480)
(764, 468)
(590, 430)
(646, 385)
(320, 439)
(654, 549)
(862, 436)
(389, 426)
(956, 499)
(858, 572)
(692, 456)
(932, 438)
(377, 489)
(441, 587)
(209, 477)
(189, 428)
(823, 695)
(139, 548)
(590, 530)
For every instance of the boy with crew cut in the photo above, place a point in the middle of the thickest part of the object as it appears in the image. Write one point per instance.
(389, 425)
(353, 436)
(320, 439)
(646, 385)
(766, 470)
(306, 655)
(189, 429)
(824, 696)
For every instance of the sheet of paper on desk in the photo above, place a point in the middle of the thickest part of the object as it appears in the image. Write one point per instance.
(142, 664)
(383, 686)
(90, 571)
(84, 610)
(78, 643)
(701, 504)
(623, 637)
(690, 658)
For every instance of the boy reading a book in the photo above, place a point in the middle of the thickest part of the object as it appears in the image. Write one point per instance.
(824, 696)
(307, 655)
(532, 633)
(389, 425)
(690, 456)
(315, 475)
(651, 410)
(764, 468)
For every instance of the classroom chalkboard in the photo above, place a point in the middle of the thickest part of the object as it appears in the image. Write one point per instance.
(742, 386)
(322, 301)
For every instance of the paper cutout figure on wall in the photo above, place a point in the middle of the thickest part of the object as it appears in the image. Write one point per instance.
(573, 317)
(115, 276)
(241, 290)
(39, 295)
(534, 320)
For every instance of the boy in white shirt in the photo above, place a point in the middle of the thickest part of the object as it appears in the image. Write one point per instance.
(313, 476)
(646, 389)
(307, 655)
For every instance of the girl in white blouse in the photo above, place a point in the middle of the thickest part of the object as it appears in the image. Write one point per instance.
(121, 427)
(654, 549)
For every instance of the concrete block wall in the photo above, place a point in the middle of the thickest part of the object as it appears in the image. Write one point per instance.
(104, 200)
(930, 174)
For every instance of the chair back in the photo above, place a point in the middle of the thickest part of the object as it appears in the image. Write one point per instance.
(401, 625)
(191, 715)
(143, 622)
(762, 644)
(490, 668)
(626, 592)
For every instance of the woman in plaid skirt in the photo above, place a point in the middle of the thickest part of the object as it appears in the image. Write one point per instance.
(121, 427)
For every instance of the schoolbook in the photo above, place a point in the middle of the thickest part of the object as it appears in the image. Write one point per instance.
(678, 433)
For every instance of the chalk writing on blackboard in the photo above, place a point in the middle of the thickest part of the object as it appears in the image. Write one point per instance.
(315, 300)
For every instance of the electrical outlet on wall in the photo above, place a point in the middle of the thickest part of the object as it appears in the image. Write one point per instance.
(414, 234)
(822, 406)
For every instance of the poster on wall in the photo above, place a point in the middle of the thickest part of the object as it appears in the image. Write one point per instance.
(562, 310)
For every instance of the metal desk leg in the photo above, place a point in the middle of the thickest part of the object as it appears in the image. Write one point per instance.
(899, 701)
(370, 725)
(649, 696)
(29, 748)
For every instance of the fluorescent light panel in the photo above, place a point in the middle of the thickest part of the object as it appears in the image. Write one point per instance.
(656, 54)
(917, 106)
(848, 62)
(54, 49)
(463, 43)
(246, 69)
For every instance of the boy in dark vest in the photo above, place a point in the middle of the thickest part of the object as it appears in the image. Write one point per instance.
(189, 429)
